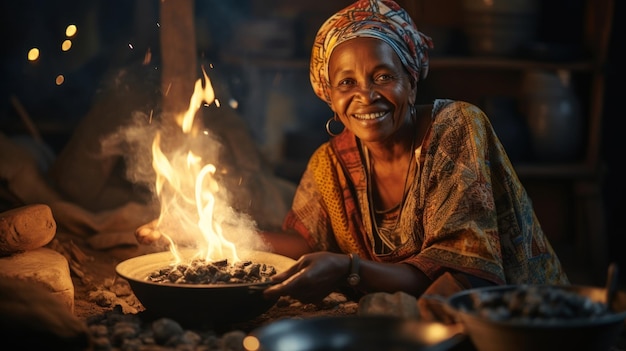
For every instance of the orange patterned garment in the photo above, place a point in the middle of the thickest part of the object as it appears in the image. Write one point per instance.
(466, 210)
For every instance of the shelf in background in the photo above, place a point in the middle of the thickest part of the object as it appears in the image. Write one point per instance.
(507, 64)
(557, 171)
(463, 62)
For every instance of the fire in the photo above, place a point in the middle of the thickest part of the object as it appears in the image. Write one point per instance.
(188, 189)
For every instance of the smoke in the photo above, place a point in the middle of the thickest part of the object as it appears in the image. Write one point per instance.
(175, 191)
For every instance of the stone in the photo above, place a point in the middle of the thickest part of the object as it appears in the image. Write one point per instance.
(32, 318)
(26, 228)
(398, 304)
(44, 266)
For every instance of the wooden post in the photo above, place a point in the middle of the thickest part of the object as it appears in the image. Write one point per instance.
(178, 53)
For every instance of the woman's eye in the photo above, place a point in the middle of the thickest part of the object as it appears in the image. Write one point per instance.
(384, 78)
(345, 82)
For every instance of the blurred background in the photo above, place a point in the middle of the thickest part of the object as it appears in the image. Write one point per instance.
(547, 73)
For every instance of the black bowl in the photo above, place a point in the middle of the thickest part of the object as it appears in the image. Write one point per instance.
(193, 304)
(355, 333)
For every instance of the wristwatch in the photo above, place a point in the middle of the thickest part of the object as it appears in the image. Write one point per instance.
(354, 278)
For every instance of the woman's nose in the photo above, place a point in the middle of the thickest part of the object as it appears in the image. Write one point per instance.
(369, 93)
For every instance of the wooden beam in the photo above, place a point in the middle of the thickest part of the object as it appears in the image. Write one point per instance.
(179, 54)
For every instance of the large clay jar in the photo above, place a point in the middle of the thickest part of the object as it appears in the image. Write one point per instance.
(554, 116)
(509, 125)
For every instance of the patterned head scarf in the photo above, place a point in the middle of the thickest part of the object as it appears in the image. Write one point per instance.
(381, 19)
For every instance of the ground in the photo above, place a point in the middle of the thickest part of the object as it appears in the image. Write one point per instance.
(100, 291)
(99, 275)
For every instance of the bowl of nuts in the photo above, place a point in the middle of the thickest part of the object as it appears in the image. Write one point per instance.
(540, 317)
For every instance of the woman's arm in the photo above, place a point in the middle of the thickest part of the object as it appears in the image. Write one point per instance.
(392, 277)
(286, 244)
(317, 274)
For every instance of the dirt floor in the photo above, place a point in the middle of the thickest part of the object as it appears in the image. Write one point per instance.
(98, 291)
(97, 277)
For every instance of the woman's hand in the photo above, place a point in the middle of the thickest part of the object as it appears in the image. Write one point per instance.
(312, 277)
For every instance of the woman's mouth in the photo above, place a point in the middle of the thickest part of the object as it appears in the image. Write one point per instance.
(368, 116)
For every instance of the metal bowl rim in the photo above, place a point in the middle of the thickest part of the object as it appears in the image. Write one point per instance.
(121, 271)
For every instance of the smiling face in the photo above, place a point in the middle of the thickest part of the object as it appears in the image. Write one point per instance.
(370, 90)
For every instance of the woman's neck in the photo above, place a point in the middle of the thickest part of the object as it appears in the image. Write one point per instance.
(396, 149)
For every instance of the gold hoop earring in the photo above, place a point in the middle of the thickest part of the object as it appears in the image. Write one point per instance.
(330, 120)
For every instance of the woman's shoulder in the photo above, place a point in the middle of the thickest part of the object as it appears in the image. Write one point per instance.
(446, 112)
(326, 154)
(456, 122)
(450, 107)
(323, 151)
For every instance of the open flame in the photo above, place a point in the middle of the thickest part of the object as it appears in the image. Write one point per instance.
(192, 210)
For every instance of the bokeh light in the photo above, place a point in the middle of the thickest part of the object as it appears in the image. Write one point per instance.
(33, 54)
(67, 44)
(71, 30)
(251, 343)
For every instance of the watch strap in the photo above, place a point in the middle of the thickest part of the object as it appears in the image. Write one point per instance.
(353, 277)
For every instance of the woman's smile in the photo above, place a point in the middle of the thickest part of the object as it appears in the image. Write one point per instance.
(369, 116)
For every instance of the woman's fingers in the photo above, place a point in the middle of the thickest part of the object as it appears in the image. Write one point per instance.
(302, 285)
(286, 281)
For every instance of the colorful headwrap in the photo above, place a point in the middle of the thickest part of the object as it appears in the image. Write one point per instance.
(382, 19)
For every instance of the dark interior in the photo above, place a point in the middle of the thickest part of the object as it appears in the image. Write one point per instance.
(270, 82)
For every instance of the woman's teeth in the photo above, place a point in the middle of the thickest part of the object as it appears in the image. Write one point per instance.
(367, 116)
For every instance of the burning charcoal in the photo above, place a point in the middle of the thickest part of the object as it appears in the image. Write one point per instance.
(203, 271)
(193, 276)
(174, 276)
(242, 264)
(222, 277)
(268, 270)
(193, 270)
(157, 276)
(254, 270)
(182, 267)
(212, 269)
(198, 263)
(200, 271)
(221, 263)
(239, 273)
